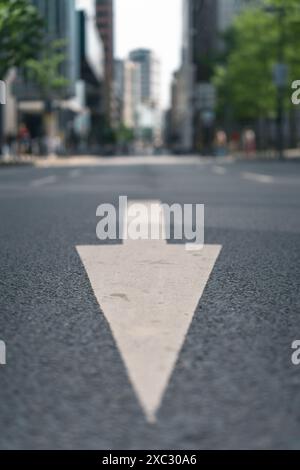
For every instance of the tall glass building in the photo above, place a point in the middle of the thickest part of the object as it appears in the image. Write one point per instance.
(61, 23)
(150, 75)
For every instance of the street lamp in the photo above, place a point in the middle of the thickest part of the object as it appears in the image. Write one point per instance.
(280, 76)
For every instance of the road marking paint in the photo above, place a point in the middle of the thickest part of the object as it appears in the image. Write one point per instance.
(44, 181)
(148, 291)
(218, 170)
(258, 178)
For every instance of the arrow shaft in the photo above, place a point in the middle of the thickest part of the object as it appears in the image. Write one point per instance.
(143, 221)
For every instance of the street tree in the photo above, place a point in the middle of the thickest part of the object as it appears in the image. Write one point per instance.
(20, 34)
(46, 73)
(20, 38)
(244, 81)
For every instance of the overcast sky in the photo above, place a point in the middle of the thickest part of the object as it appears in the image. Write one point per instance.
(153, 24)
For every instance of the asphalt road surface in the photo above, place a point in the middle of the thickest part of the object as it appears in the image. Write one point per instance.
(233, 386)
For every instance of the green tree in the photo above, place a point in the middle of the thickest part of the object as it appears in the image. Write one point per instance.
(20, 38)
(244, 81)
(20, 34)
(46, 73)
(125, 135)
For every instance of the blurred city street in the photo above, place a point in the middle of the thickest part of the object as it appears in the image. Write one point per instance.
(233, 385)
(150, 228)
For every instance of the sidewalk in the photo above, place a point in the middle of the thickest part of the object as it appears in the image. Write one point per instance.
(120, 160)
(91, 160)
(16, 161)
(290, 154)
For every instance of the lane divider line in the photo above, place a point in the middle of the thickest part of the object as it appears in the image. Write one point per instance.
(43, 181)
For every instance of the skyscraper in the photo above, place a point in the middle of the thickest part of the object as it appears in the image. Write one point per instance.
(127, 92)
(150, 75)
(131, 93)
(91, 72)
(118, 90)
(185, 88)
(228, 9)
(205, 37)
(61, 23)
(149, 114)
(105, 23)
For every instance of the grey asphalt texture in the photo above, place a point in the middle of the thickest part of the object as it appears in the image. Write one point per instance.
(233, 387)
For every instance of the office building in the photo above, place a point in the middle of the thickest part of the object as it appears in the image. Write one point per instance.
(128, 92)
(204, 21)
(60, 21)
(131, 93)
(228, 9)
(91, 79)
(150, 75)
(105, 24)
(118, 91)
(149, 111)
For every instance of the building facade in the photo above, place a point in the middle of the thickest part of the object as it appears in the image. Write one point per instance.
(204, 21)
(131, 93)
(118, 91)
(185, 81)
(149, 111)
(77, 109)
(228, 9)
(60, 22)
(150, 75)
(105, 24)
(91, 78)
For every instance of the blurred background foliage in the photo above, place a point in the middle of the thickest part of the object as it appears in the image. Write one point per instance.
(21, 34)
(243, 76)
(23, 44)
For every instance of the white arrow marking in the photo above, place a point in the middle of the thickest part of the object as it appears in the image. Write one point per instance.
(148, 292)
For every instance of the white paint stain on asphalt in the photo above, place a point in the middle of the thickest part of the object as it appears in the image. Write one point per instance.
(43, 181)
(148, 292)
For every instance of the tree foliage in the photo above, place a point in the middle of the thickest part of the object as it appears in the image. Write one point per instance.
(23, 44)
(245, 80)
(46, 72)
(20, 33)
(125, 135)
